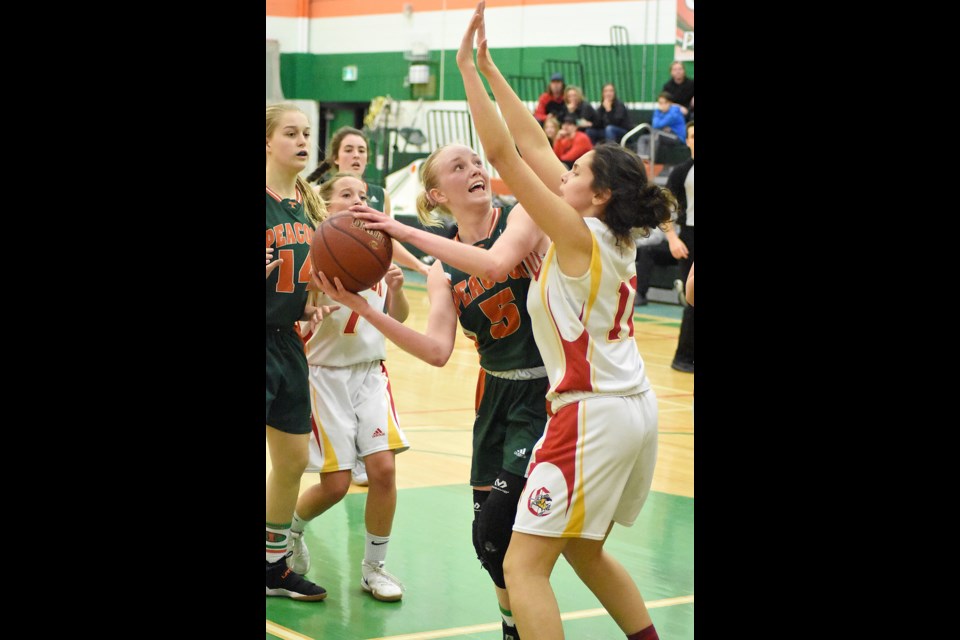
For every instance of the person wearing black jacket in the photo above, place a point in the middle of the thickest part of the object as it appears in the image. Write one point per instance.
(681, 88)
(613, 119)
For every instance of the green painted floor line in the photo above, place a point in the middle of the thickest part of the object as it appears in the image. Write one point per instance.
(432, 554)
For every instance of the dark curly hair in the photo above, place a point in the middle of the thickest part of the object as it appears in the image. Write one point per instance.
(634, 202)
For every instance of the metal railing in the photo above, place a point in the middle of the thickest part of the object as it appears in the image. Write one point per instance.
(653, 143)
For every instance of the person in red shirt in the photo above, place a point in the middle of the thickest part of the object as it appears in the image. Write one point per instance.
(551, 101)
(571, 143)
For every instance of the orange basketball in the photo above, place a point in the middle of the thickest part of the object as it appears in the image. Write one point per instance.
(344, 248)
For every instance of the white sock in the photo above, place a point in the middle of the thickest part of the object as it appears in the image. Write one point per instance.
(298, 524)
(375, 551)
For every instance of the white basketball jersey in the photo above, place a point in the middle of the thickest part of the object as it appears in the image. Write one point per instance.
(344, 338)
(584, 326)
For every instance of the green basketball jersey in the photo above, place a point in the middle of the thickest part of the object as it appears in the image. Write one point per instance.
(494, 314)
(289, 233)
(375, 197)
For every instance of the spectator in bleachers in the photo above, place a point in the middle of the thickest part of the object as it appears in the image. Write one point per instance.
(681, 88)
(571, 143)
(669, 123)
(551, 100)
(551, 127)
(578, 107)
(613, 120)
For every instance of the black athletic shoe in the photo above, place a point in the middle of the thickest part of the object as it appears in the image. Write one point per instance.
(282, 581)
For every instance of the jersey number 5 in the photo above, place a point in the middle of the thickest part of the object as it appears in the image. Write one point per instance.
(502, 312)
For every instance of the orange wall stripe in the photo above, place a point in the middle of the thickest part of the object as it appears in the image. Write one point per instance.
(339, 8)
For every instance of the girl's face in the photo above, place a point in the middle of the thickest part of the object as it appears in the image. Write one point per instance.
(609, 93)
(663, 104)
(352, 156)
(550, 129)
(572, 97)
(462, 180)
(288, 145)
(576, 185)
(346, 193)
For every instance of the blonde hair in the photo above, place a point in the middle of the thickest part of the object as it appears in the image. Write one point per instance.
(425, 204)
(314, 207)
(577, 92)
(328, 186)
(551, 119)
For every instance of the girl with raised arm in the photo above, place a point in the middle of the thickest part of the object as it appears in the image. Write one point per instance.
(594, 464)
(481, 277)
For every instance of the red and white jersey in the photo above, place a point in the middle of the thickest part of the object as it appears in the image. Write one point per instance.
(344, 338)
(584, 326)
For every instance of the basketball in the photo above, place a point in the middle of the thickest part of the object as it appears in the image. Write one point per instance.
(344, 248)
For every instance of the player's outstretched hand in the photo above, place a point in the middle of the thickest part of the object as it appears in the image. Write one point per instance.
(379, 221)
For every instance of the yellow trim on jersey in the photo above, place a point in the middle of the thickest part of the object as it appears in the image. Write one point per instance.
(544, 274)
(329, 454)
(596, 273)
(574, 526)
(393, 431)
(596, 270)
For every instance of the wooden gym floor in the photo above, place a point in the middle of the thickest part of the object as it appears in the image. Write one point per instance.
(448, 594)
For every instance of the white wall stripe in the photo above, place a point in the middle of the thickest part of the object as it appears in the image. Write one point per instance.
(647, 21)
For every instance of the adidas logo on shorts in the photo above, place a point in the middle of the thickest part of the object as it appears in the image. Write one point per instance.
(521, 453)
(378, 433)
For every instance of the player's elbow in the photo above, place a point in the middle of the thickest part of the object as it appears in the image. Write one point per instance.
(496, 271)
(437, 358)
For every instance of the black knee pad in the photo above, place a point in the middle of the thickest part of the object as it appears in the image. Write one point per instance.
(494, 526)
(479, 498)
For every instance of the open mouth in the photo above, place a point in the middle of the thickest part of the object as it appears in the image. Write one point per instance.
(476, 186)
(302, 154)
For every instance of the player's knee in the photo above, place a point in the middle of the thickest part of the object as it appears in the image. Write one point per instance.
(337, 483)
(381, 469)
(479, 498)
(495, 524)
(290, 468)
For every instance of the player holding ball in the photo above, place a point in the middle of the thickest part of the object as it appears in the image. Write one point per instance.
(352, 406)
